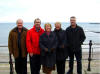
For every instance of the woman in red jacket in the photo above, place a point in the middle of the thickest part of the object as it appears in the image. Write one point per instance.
(32, 43)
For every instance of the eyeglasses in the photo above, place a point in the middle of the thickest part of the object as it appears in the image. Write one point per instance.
(37, 22)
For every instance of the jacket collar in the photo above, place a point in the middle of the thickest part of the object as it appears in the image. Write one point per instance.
(76, 26)
(34, 28)
(75, 29)
(49, 34)
(58, 30)
(16, 29)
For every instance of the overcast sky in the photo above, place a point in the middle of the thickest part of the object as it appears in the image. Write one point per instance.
(50, 10)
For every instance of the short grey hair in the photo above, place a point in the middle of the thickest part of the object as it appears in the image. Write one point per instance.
(72, 17)
(37, 19)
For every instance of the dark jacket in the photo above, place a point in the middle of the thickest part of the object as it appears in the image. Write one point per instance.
(61, 51)
(75, 38)
(48, 58)
(13, 42)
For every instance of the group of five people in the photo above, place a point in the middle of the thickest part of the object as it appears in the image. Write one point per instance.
(46, 47)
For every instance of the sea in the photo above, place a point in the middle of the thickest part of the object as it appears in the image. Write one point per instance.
(92, 32)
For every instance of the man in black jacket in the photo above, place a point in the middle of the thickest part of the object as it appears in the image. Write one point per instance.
(75, 38)
(61, 51)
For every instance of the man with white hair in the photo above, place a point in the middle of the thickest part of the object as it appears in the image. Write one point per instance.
(17, 47)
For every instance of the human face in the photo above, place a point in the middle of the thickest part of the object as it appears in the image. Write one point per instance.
(58, 26)
(73, 21)
(48, 28)
(19, 24)
(37, 23)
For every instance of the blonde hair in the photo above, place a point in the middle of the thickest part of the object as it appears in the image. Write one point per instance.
(46, 25)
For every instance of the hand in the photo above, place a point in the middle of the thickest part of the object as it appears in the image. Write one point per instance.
(52, 49)
(62, 46)
(46, 49)
(31, 54)
(11, 53)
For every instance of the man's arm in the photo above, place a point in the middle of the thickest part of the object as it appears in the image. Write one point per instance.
(82, 36)
(28, 43)
(10, 43)
(10, 47)
(64, 43)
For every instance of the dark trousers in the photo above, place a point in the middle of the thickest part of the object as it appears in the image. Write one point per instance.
(60, 66)
(21, 65)
(35, 64)
(78, 55)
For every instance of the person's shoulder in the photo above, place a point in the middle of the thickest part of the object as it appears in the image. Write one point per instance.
(63, 30)
(79, 27)
(43, 35)
(25, 29)
(13, 30)
(30, 30)
(68, 28)
(42, 29)
(53, 33)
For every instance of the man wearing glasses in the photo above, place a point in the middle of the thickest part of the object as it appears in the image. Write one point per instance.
(32, 42)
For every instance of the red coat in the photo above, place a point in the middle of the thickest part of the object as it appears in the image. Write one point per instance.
(32, 40)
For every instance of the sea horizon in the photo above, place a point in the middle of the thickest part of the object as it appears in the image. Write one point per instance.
(92, 31)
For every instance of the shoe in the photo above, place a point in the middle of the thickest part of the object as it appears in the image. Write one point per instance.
(69, 72)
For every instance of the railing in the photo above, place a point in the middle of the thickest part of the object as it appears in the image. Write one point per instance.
(89, 55)
(93, 53)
